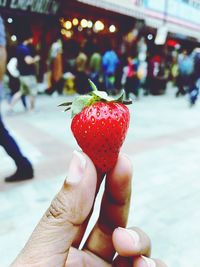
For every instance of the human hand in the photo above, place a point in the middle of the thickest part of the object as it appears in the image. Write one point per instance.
(56, 239)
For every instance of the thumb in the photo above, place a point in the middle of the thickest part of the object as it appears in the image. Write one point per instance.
(50, 242)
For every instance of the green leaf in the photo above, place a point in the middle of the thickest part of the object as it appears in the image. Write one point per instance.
(103, 95)
(79, 103)
(92, 85)
(120, 98)
(66, 104)
(67, 109)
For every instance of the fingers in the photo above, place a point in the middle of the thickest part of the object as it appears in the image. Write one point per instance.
(133, 247)
(140, 261)
(131, 242)
(82, 228)
(52, 238)
(148, 262)
(114, 209)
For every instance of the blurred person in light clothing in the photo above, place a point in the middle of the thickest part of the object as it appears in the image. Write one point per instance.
(184, 79)
(95, 67)
(56, 67)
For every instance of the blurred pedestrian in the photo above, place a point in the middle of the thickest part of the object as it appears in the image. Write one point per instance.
(157, 73)
(81, 76)
(130, 78)
(174, 69)
(110, 62)
(14, 82)
(26, 60)
(56, 67)
(184, 79)
(24, 168)
(95, 70)
(194, 89)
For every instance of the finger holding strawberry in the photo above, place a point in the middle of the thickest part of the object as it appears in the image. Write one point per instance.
(99, 125)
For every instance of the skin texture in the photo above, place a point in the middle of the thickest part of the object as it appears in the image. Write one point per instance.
(56, 239)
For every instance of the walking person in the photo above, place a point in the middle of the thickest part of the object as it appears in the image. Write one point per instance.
(24, 168)
(27, 69)
(81, 76)
(95, 67)
(56, 67)
(194, 90)
(130, 78)
(110, 62)
(14, 82)
(184, 79)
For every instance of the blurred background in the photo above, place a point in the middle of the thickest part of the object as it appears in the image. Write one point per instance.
(150, 49)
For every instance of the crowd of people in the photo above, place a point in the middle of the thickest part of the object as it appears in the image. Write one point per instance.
(133, 66)
(129, 66)
(111, 66)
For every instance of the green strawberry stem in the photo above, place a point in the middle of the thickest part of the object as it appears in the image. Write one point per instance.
(82, 101)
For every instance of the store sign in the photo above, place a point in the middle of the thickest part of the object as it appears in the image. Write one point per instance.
(38, 6)
(183, 10)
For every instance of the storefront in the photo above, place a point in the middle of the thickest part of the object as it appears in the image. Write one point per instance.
(41, 17)
(181, 17)
(80, 19)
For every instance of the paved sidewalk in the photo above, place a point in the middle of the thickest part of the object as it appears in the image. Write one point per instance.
(163, 143)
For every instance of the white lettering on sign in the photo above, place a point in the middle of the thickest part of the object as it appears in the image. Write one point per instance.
(13, 3)
(22, 4)
(3, 2)
(55, 7)
(39, 6)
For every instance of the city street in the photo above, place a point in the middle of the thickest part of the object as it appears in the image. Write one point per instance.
(164, 146)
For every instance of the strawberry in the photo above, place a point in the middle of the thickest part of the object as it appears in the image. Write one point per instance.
(99, 125)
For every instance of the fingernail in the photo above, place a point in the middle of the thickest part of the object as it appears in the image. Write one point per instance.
(132, 235)
(149, 262)
(76, 168)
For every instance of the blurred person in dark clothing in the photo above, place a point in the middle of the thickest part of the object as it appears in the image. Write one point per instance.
(24, 168)
(184, 79)
(14, 82)
(81, 77)
(71, 50)
(156, 74)
(194, 89)
(27, 60)
(130, 79)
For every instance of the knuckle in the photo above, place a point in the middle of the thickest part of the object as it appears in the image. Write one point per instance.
(58, 209)
(63, 209)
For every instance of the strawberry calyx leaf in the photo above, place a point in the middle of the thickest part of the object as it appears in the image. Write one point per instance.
(82, 101)
(79, 103)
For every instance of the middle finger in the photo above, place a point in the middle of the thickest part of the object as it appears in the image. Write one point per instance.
(114, 209)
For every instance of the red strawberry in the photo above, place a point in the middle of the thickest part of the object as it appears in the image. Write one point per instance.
(99, 125)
